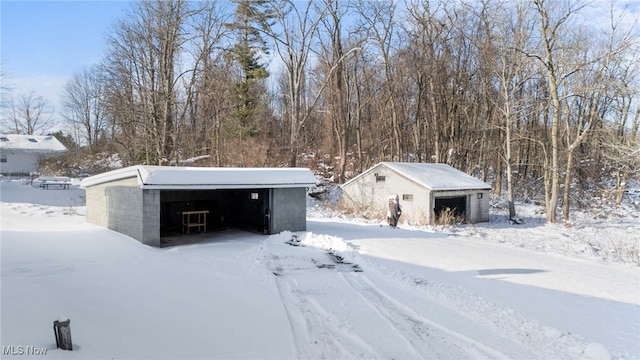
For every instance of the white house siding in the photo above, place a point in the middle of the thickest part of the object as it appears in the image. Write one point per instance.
(19, 162)
(21, 154)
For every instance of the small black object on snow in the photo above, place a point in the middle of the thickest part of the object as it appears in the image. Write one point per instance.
(294, 241)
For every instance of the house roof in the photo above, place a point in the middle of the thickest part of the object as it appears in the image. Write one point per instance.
(432, 176)
(170, 177)
(31, 143)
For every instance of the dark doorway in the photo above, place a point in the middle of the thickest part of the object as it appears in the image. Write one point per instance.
(245, 209)
(456, 205)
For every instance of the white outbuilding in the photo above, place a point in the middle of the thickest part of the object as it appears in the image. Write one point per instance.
(21, 154)
(425, 191)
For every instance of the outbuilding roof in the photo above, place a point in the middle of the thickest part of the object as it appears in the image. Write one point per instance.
(31, 143)
(433, 176)
(170, 177)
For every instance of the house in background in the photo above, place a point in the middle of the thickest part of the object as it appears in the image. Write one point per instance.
(425, 190)
(21, 154)
(157, 204)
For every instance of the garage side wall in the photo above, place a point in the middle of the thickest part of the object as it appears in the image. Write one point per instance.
(288, 210)
(150, 217)
(96, 201)
(480, 207)
(370, 193)
(120, 206)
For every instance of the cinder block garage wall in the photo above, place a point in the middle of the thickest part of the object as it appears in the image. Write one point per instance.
(150, 217)
(96, 205)
(120, 206)
(289, 210)
(113, 202)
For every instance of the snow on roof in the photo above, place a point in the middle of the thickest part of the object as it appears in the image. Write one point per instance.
(170, 177)
(437, 176)
(31, 143)
(433, 176)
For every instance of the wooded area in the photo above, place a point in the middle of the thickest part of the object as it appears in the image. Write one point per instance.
(531, 96)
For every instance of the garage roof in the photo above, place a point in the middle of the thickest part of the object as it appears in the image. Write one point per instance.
(170, 177)
(433, 176)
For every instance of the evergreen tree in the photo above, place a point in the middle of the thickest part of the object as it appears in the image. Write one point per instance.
(250, 17)
(66, 139)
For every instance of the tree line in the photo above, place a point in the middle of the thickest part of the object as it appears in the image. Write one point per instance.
(527, 95)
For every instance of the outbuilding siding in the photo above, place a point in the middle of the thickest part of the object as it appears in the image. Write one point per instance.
(123, 207)
(369, 192)
(101, 202)
(150, 217)
(142, 201)
(289, 210)
(477, 210)
(117, 205)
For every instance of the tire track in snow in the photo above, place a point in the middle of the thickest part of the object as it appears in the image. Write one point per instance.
(392, 328)
(317, 332)
(421, 333)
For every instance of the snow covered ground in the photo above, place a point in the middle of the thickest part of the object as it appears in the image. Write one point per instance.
(344, 289)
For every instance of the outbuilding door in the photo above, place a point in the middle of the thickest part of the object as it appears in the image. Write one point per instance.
(457, 205)
(246, 209)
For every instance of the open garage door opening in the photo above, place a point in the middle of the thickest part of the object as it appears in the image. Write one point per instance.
(448, 209)
(187, 212)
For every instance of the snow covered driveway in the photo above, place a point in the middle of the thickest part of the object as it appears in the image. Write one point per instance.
(417, 298)
(339, 312)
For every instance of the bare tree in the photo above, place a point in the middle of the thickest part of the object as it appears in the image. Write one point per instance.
(605, 66)
(5, 88)
(427, 57)
(341, 87)
(511, 93)
(209, 103)
(557, 72)
(149, 64)
(621, 147)
(29, 114)
(380, 23)
(507, 75)
(619, 140)
(293, 33)
(84, 105)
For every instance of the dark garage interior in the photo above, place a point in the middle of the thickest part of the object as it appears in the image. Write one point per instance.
(246, 209)
(458, 205)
